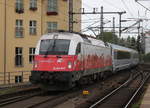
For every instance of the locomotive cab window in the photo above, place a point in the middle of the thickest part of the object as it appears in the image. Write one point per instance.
(78, 49)
(54, 47)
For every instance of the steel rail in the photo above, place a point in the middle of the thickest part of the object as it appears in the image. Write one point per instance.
(114, 91)
(137, 91)
(50, 99)
(18, 98)
(43, 102)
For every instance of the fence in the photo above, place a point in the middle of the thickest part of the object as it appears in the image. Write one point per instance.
(14, 77)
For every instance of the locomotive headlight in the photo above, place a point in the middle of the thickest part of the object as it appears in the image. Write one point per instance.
(69, 65)
(35, 65)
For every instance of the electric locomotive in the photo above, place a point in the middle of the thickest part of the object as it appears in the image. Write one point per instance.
(64, 59)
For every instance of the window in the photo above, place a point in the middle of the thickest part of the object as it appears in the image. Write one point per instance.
(19, 28)
(19, 57)
(31, 54)
(18, 79)
(78, 49)
(52, 7)
(32, 27)
(54, 47)
(19, 6)
(51, 26)
(33, 5)
(123, 55)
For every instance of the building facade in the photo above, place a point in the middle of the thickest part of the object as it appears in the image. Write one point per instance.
(22, 22)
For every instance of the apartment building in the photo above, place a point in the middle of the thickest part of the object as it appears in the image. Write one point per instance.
(22, 22)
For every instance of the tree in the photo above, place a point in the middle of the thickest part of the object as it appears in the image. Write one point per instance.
(139, 43)
(128, 42)
(133, 43)
(109, 37)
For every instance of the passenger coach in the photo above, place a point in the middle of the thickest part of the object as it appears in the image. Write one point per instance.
(123, 57)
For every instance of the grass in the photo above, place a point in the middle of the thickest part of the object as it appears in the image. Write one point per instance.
(7, 91)
(137, 105)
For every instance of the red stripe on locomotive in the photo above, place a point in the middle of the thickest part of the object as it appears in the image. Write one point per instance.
(60, 63)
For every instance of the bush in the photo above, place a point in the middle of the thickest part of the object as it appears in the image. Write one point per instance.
(146, 57)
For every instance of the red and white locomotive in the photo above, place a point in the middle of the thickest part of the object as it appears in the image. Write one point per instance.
(63, 59)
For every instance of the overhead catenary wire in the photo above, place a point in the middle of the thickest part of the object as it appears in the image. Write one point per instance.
(127, 8)
(142, 5)
(90, 25)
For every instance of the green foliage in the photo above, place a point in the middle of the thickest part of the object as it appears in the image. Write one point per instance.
(109, 37)
(7, 91)
(146, 58)
(130, 42)
(135, 106)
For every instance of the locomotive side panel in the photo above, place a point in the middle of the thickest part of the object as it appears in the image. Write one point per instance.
(96, 59)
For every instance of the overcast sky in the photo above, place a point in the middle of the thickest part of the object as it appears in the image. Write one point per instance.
(130, 6)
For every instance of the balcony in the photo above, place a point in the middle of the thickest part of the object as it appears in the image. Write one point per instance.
(33, 8)
(51, 30)
(52, 10)
(52, 13)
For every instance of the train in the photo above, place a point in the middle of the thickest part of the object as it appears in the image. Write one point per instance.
(65, 59)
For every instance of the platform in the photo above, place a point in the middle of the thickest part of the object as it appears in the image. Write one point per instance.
(146, 100)
(15, 85)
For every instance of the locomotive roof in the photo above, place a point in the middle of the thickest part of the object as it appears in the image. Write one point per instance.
(74, 36)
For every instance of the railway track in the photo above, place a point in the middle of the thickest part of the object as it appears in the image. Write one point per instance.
(9, 86)
(55, 98)
(18, 91)
(18, 95)
(123, 96)
(41, 101)
(100, 88)
(14, 99)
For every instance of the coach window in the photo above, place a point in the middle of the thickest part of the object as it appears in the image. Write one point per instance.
(115, 54)
(123, 55)
(78, 49)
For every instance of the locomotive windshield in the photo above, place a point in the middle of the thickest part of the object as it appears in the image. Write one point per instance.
(54, 47)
